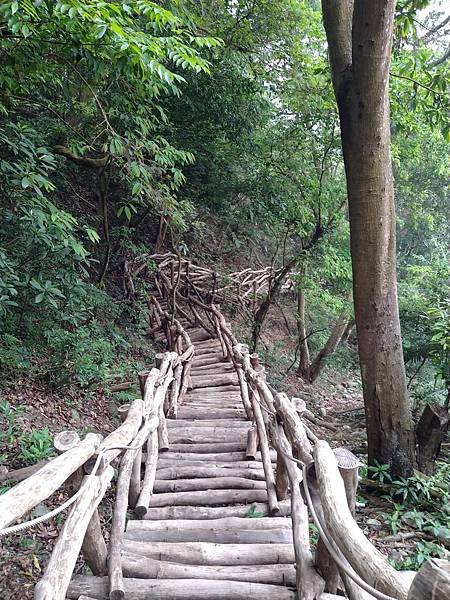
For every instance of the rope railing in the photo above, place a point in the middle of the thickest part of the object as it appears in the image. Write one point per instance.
(343, 551)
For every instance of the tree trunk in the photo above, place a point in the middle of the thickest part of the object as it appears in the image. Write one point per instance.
(359, 36)
(431, 430)
(304, 361)
(272, 295)
(332, 343)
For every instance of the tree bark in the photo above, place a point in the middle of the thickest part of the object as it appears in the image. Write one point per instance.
(304, 361)
(431, 430)
(332, 343)
(359, 36)
(272, 295)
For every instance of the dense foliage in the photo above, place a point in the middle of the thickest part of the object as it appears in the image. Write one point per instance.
(128, 126)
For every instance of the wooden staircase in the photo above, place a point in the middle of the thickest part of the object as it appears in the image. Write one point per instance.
(207, 534)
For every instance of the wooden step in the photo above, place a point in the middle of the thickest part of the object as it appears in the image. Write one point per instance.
(208, 498)
(225, 523)
(206, 412)
(222, 389)
(208, 483)
(216, 536)
(213, 448)
(178, 589)
(207, 553)
(209, 380)
(184, 435)
(142, 567)
(215, 401)
(164, 462)
(181, 472)
(228, 423)
(208, 512)
(207, 458)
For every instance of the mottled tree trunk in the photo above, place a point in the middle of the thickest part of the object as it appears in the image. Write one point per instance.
(359, 35)
(304, 361)
(332, 343)
(272, 295)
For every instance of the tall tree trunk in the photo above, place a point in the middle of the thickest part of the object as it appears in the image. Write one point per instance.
(272, 295)
(359, 36)
(348, 331)
(332, 343)
(304, 361)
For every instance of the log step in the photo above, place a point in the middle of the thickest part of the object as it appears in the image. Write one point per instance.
(208, 512)
(181, 472)
(184, 435)
(142, 567)
(225, 523)
(216, 536)
(208, 483)
(228, 423)
(208, 498)
(164, 463)
(207, 412)
(208, 457)
(206, 553)
(178, 589)
(209, 448)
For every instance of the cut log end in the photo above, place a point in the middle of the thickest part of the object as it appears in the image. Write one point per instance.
(140, 511)
(66, 440)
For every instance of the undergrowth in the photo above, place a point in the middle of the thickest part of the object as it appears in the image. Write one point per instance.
(420, 505)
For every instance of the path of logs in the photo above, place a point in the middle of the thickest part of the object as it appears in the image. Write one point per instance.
(204, 508)
(206, 534)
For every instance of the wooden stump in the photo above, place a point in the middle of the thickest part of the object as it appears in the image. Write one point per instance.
(430, 432)
(432, 582)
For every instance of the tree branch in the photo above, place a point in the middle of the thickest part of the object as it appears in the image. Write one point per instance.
(93, 163)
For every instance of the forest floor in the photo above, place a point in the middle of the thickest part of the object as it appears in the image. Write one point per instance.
(37, 413)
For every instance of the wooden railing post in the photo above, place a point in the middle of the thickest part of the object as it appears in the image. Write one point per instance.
(94, 545)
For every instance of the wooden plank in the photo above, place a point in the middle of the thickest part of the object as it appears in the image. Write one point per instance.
(180, 589)
(208, 412)
(164, 463)
(208, 483)
(226, 523)
(208, 498)
(208, 435)
(217, 536)
(208, 423)
(142, 567)
(206, 553)
(201, 448)
(181, 472)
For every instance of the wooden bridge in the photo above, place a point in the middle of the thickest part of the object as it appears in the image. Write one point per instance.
(218, 480)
